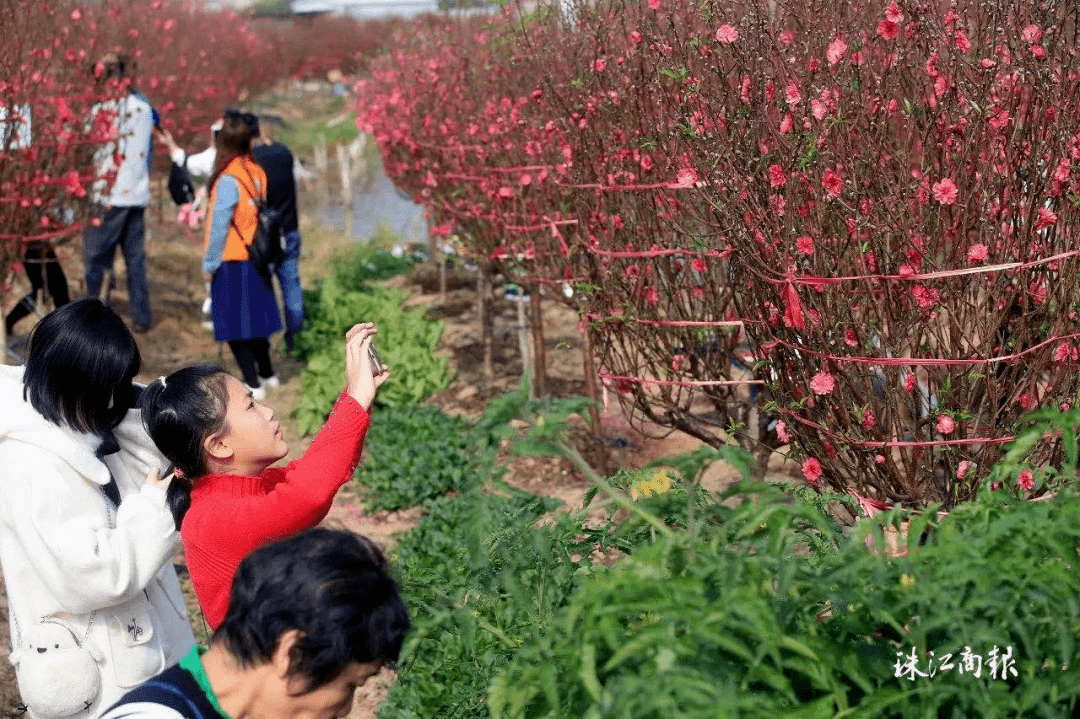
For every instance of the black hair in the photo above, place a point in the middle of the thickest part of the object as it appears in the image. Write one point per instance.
(332, 587)
(180, 412)
(80, 367)
(248, 118)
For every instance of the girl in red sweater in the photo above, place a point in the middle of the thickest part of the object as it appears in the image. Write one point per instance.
(226, 497)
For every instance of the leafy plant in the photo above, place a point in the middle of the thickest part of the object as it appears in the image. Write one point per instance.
(412, 455)
(480, 576)
(406, 341)
(741, 623)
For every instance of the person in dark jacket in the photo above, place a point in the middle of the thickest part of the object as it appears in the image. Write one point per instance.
(277, 161)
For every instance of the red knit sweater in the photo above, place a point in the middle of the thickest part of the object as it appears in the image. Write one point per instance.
(232, 515)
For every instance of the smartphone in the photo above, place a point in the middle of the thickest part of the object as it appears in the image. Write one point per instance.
(376, 360)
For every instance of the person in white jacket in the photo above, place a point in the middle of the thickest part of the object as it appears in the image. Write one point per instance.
(86, 536)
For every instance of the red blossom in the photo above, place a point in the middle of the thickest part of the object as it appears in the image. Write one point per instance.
(893, 14)
(978, 253)
(776, 176)
(832, 183)
(888, 29)
(804, 245)
(1025, 480)
(811, 470)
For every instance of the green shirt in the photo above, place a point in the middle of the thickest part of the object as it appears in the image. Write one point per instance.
(192, 663)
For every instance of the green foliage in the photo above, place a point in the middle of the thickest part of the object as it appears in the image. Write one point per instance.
(756, 603)
(412, 455)
(481, 577)
(372, 262)
(741, 623)
(406, 341)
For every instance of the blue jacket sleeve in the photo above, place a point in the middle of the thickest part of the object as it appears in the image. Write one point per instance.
(221, 215)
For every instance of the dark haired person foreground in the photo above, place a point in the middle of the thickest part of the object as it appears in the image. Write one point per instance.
(86, 536)
(311, 619)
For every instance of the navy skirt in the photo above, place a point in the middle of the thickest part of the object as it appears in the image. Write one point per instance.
(242, 303)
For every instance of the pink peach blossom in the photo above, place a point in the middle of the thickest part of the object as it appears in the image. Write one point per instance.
(804, 245)
(836, 50)
(776, 176)
(811, 469)
(1046, 219)
(962, 469)
(1025, 480)
(792, 94)
(727, 34)
(945, 191)
(978, 253)
(945, 424)
(832, 182)
(888, 29)
(781, 431)
(893, 14)
(822, 383)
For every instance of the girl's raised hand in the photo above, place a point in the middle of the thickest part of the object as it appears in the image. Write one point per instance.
(359, 374)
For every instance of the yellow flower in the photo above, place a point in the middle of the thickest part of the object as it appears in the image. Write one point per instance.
(907, 580)
(658, 483)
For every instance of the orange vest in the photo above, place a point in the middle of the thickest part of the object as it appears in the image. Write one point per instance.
(251, 180)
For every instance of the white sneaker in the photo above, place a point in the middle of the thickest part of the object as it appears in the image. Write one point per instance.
(270, 382)
(257, 393)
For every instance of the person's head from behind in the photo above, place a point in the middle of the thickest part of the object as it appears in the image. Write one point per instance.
(233, 139)
(314, 616)
(205, 421)
(80, 367)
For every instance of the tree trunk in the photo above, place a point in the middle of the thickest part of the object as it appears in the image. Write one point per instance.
(483, 310)
(523, 343)
(591, 386)
(536, 321)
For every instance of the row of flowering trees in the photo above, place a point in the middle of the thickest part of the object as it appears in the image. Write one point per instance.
(189, 61)
(857, 213)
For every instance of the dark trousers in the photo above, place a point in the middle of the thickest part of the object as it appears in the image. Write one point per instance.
(251, 354)
(123, 226)
(44, 271)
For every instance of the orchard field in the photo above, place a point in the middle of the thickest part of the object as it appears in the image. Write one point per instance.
(788, 422)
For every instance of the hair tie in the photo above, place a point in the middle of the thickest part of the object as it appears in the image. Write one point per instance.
(162, 380)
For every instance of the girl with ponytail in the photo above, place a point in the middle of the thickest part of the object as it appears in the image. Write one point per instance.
(226, 497)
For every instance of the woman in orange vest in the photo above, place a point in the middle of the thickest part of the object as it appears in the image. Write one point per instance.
(244, 308)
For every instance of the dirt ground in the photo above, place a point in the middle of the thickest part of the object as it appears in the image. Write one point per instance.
(177, 338)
